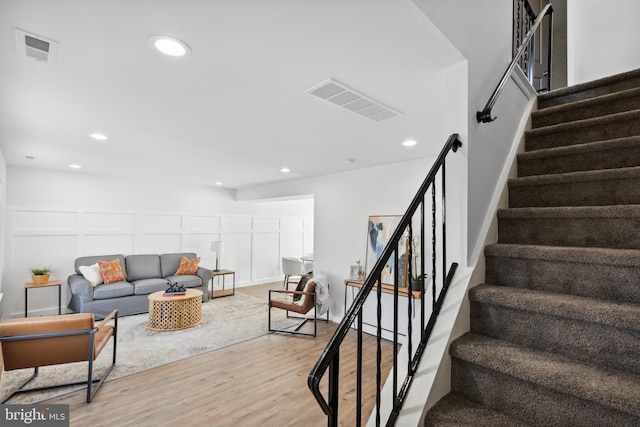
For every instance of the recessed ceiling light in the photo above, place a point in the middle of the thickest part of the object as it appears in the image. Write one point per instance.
(99, 136)
(409, 143)
(218, 183)
(285, 170)
(75, 166)
(169, 46)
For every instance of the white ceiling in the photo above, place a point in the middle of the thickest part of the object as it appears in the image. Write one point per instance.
(235, 110)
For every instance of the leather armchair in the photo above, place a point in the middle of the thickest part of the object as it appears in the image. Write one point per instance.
(305, 303)
(51, 340)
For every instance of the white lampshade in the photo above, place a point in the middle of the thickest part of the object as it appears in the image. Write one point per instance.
(217, 246)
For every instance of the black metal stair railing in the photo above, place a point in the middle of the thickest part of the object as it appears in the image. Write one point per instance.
(412, 227)
(524, 56)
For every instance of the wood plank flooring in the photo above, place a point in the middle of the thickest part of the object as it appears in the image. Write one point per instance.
(259, 382)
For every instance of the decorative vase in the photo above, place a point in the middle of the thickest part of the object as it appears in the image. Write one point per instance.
(40, 279)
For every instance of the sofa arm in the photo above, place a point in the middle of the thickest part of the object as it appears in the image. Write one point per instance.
(80, 288)
(205, 274)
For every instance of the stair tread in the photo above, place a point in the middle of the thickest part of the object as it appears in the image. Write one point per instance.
(608, 387)
(561, 108)
(578, 125)
(455, 410)
(581, 87)
(579, 176)
(605, 256)
(610, 313)
(606, 145)
(608, 211)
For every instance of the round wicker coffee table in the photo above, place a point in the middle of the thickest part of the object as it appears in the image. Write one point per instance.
(174, 313)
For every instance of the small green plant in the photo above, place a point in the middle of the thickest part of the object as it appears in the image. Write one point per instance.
(41, 271)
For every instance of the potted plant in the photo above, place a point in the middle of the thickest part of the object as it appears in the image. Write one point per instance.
(40, 275)
(416, 282)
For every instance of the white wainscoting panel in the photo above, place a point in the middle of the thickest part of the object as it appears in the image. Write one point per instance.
(206, 224)
(236, 255)
(201, 244)
(29, 221)
(265, 224)
(160, 243)
(163, 223)
(107, 244)
(236, 224)
(253, 245)
(292, 244)
(266, 260)
(99, 222)
(33, 251)
(292, 224)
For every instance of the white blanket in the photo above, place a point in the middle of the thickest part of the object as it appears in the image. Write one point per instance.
(322, 293)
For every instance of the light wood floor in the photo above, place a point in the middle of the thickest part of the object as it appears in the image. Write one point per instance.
(260, 382)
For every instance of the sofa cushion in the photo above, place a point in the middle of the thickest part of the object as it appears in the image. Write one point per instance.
(111, 271)
(92, 274)
(143, 267)
(149, 286)
(90, 260)
(170, 262)
(188, 266)
(113, 290)
(186, 280)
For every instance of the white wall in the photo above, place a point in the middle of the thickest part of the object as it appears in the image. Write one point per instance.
(481, 31)
(3, 215)
(603, 38)
(343, 204)
(54, 217)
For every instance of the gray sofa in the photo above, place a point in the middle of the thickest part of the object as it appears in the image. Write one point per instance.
(144, 275)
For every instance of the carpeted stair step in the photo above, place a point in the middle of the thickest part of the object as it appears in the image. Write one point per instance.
(603, 86)
(584, 188)
(600, 128)
(608, 274)
(592, 226)
(543, 388)
(454, 410)
(588, 108)
(602, 333)
(609, 154)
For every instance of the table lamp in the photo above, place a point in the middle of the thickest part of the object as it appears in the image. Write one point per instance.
(217, 246)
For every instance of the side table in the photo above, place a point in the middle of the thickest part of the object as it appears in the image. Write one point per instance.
(223, 292)
(30, 285)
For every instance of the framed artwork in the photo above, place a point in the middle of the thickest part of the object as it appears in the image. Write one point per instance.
(379, 231)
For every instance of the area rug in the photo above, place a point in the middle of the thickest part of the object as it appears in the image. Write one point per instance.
(225, 321)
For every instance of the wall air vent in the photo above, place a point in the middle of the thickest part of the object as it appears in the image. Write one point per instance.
(342, 96)
(36, 47)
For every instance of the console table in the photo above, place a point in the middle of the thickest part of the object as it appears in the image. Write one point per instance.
(369, 325)
(31, 285)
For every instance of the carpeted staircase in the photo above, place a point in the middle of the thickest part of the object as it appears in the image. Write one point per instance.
(555, 331)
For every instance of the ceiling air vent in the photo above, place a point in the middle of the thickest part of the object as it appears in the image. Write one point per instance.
(342, 96)
(36, 47)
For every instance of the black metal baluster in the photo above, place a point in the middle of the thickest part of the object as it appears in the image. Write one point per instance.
(379, 349)
(359, 374)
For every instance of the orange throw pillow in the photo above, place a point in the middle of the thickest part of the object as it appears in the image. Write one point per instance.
(111, 271)
(188, 266)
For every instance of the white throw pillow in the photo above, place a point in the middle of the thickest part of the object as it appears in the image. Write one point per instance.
(92, 274)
